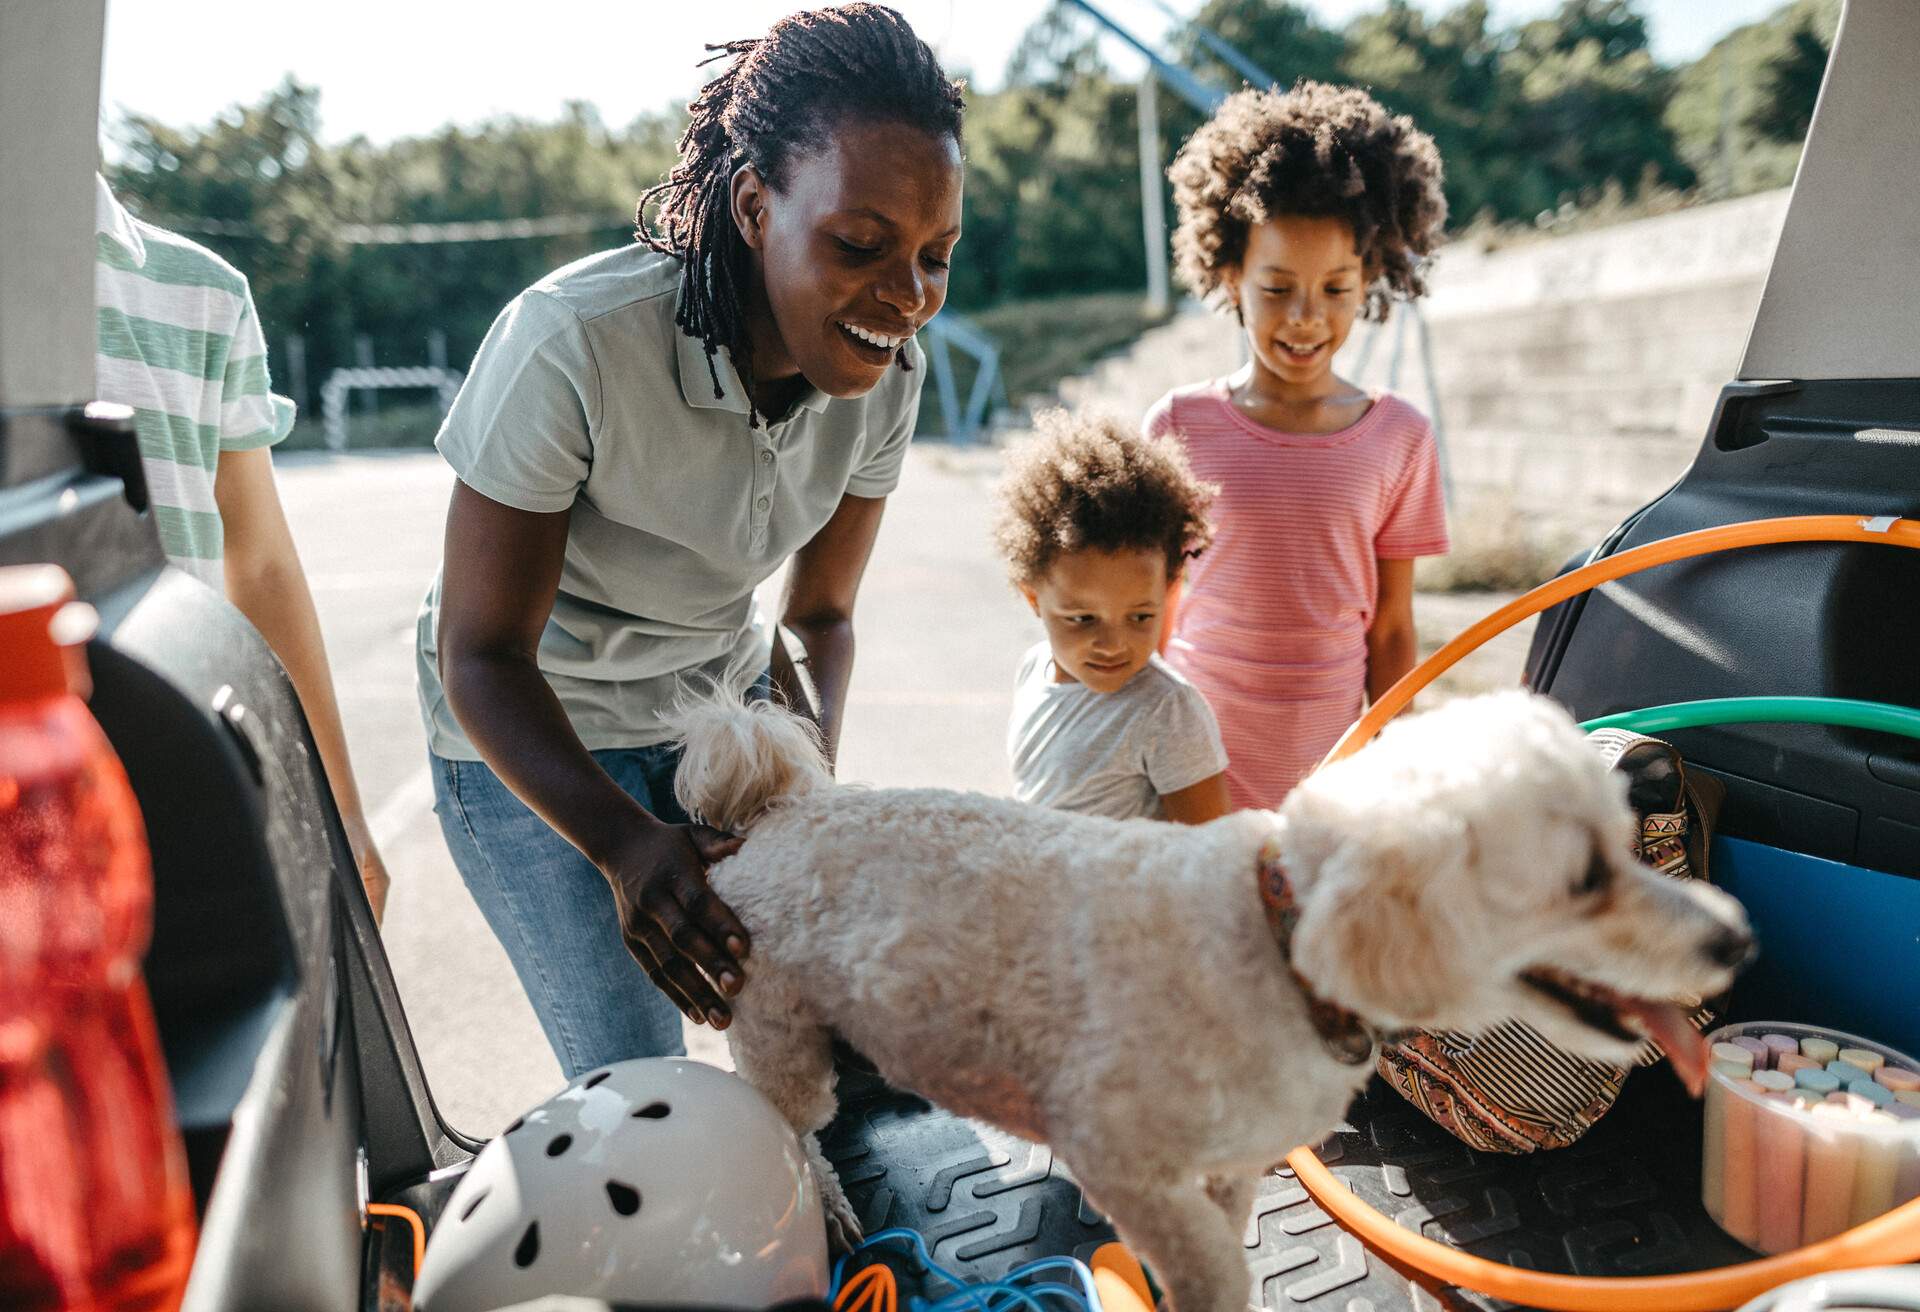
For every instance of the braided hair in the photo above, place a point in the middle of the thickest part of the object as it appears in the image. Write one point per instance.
(781, 96)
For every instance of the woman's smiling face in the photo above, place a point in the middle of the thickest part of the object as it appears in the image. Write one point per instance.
(852, 253)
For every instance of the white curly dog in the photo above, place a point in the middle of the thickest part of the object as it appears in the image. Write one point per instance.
(1114, 989)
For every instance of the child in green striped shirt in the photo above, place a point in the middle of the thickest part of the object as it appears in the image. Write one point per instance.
(180, 342)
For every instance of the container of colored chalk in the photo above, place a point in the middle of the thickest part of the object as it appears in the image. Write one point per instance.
(1809, 1132)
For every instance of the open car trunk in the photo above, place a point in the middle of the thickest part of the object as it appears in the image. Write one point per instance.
(1820, 835)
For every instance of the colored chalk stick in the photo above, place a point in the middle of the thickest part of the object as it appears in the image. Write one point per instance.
(1713, 1153)
(1781, 1163)
(1733, 1054)
(1827, 1200)
(1846, 1070)
(1898, 1079)
(1793, 1063)
(1876, 1171)
(1872, 1090)
(1740, 1214)
(1906, 1184)
(1761, 1053)
(1820, 1081)
(1821, 1050)
(1866, 1060)
(1911, 1097)
(1773, 1081)
(1778, 1044)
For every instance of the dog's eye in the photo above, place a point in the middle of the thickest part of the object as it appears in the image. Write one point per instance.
(1597, 878)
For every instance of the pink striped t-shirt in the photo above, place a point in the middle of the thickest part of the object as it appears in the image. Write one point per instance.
(1273, 617)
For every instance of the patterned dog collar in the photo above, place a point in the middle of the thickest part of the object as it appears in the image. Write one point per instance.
(1344, 1035)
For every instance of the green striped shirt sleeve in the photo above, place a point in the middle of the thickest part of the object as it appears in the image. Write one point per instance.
(251, 414)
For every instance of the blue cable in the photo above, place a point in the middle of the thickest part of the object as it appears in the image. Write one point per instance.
(1074, 1266)
(992, 1296)
(1028, 1295)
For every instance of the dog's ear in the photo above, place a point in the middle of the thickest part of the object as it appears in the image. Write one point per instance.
(1377, 936)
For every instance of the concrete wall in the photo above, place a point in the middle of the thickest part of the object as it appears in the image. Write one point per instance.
(1576, 376)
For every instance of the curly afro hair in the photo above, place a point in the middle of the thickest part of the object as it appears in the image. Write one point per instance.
(1092, 483)
(1319, 151)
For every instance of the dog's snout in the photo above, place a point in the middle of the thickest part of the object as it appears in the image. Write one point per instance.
(1731, 946)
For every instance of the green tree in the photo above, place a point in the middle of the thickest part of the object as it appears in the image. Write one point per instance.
(258, 186)
(1789, 88)
(1282, 38)
(1053, 191)
(1585, 101)
(1445, 73)
(1724, 102)
(1560, 108)
(254, 184)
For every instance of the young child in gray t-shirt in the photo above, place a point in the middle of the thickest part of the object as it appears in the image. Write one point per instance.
(1095, 523)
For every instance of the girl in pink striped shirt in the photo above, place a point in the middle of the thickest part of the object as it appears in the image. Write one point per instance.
(1302, 211)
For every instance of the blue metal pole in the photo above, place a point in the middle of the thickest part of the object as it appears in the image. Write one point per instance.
(1188, 87)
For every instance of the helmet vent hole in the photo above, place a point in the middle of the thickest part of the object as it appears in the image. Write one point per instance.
(653, 1111)
(528, 1248)
(624, 1197)
(474, 1206)
(518, 1121)
(561, 1142)
(595, 1079)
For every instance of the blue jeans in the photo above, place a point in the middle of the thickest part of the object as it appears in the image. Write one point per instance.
(552, 911)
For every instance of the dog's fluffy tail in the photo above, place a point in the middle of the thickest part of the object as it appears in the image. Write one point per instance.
(741, 759)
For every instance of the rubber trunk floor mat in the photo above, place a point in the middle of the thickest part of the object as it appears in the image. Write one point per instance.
(1625, 1201)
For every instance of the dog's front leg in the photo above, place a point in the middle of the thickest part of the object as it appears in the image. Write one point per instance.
(791, 1062)
(1185, 1236)
(1233, 1194)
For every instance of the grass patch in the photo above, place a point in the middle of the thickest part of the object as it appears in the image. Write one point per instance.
(1043, 341)
(1496, 548)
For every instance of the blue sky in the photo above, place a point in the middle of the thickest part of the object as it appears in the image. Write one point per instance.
(403, 67)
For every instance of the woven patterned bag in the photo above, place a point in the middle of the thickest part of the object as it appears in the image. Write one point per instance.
(1509, 1090)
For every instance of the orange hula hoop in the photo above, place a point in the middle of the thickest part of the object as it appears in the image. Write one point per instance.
(1888, 1239)
(1885, 531)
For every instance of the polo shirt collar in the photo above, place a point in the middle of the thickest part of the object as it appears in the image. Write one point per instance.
(696, 383)
(111, 220)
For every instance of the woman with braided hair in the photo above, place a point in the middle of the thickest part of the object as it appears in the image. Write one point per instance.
(644, 437)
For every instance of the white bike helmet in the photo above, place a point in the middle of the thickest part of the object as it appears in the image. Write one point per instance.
(660, 1180)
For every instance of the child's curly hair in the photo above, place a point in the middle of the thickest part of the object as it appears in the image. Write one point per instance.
(1092, 483)
(1319, 151)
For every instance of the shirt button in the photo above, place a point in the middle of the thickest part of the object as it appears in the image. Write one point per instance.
(766, 457)
(763, 503)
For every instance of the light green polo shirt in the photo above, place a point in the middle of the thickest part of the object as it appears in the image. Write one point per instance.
(585, 397)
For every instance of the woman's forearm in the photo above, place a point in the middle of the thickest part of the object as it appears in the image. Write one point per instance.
(828, 642)
(511, 715)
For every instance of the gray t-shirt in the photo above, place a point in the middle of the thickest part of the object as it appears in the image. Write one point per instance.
(586, 398)
(1113, 754)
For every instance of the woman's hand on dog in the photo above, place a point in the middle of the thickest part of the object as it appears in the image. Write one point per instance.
(674, 924)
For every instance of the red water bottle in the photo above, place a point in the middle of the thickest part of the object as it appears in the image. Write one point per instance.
(95, 1211)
